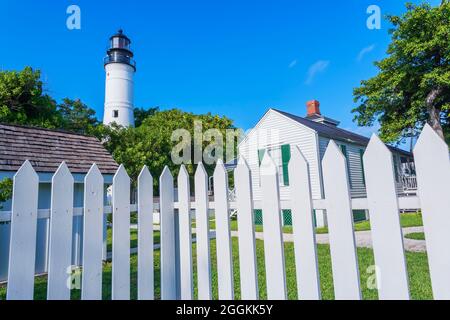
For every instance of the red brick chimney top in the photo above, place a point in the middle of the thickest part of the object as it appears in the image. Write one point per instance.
(313, 107)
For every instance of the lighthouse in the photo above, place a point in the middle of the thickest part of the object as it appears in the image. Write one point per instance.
(120, 68)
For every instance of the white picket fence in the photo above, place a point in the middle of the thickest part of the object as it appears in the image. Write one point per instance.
(433, 173)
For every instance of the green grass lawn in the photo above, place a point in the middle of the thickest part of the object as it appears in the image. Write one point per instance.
(133, 238)
(416, 236)
(406, 220)
(417, 266)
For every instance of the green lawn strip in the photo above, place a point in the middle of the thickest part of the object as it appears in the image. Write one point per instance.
(133, 238)
(417, 267)
(415, 236)
(407, 220)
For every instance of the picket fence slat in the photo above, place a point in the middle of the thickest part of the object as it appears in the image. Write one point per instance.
(61, 220)
(308, 280)
(146, 287)
(223, 234)
(168, 246)
(273, 236)
(340, 223)
(121, 236)
(433, 178)
(203, 239)
(22, 251)
(387, 235)
(91, 287)
(246, 232)
(185, 239)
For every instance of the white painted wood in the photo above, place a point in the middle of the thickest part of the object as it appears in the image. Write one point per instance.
(308, 280)
(433, 178)
(146, 288)
(22, 251)
(275, 129)
(246, 230)
(202, 228)
(273, 236)
(185, 227)
(91, 288)
(168, 248)
(340, 222)
(387, 237)
(61, 220)
(223, 234)
(121, 236)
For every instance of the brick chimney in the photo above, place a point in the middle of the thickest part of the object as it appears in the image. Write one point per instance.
(313, 107)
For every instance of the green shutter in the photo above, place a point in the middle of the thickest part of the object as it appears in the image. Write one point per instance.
(361, 154)
(261, 154)
(286, 157)
(397, 179)
(344, 150)
(345, 153)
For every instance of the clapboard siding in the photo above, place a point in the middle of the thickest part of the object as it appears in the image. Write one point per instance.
(288, 132)
(358, 188)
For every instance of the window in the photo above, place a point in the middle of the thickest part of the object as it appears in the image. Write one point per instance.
(281, 155)
(345, 153)
(115, 113)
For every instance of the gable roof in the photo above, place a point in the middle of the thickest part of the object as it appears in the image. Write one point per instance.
(335, 133)
(46, 149)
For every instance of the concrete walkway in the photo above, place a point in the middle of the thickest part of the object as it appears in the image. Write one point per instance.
(363, 239)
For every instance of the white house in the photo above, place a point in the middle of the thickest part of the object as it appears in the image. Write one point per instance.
(46, 149)
(277, 132)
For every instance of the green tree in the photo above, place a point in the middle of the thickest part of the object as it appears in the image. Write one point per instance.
(23, 101)
(140, 114)
(413, 84)
(76, 116)
(151, 144)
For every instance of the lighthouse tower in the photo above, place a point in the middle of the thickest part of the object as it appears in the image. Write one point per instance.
(120, 69)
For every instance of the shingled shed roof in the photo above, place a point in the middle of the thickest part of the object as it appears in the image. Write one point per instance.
(46, 149)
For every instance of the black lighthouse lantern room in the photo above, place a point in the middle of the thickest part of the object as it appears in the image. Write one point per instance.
(119, 50)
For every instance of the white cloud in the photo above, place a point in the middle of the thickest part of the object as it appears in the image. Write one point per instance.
(293, 64)
(365, 51)
(318, 67)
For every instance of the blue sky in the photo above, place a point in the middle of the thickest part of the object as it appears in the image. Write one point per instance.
(233, 58)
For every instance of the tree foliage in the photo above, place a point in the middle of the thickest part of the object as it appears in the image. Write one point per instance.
(413, 83)
(140, 114)
(76, 116)
(23, 101)
(151, 144)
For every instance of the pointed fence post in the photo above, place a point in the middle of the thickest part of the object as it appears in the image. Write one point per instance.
(61, 220)
(168, 248)
(340, 220)
(186, 268)
(121, 235)
(273, 237)
(308, 280)
(91, 288)
(433, 177)
(246, 231)
(146, 287)
(202, 227)
(387, 236)
(22, 252)
(223, 234)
